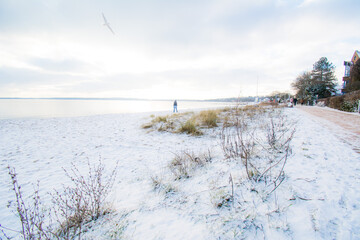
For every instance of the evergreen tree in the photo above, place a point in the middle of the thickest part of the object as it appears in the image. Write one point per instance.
(323, 76)
(318, 83)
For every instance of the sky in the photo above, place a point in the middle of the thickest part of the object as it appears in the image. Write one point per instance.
(168, 49)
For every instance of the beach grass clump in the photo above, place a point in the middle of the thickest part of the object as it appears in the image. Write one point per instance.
(160, 185)
(225, 109)
(161, 123)
(156, 120)
(209, 118)
(190, 127)
(220, 198)
(160, 119)
(147, 125)
(186, 162)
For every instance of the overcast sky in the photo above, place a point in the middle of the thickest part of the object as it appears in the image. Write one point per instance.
(196, 49)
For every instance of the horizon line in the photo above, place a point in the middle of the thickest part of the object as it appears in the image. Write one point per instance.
(119, 98)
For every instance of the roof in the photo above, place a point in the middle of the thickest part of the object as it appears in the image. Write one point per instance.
(355, 56)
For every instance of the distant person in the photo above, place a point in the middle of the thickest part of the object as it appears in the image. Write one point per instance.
(175, 106)
(295, 101)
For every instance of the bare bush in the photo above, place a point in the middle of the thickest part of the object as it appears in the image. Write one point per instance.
(30, 211)
(279, 130)
(76, 205)
(262, 144)
(238, 141)
(84, 201)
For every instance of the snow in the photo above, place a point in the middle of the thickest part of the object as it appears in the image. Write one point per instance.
(320, 198)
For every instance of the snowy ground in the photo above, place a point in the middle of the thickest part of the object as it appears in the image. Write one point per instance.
(320, 198)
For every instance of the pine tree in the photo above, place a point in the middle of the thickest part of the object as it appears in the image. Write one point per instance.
(323, 76)
(318, 83)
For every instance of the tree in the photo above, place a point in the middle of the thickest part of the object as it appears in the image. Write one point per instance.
(323, 75)
(304, 86)
(280, 95)
(318, 83)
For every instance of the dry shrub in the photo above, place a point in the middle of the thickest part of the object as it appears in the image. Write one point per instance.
(30, 211)
(348, 102)
(73, 207)
(278, 130)
(335, 102)
(238, 142)
(84, 201)
(261, 144)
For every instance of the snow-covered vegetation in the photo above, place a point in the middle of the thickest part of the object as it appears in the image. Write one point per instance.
(258, 172)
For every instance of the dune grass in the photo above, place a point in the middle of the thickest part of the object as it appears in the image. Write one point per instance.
(209, 118)
(190, 127)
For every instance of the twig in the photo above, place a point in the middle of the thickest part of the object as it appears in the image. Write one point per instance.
(9, 229)
(232, 188)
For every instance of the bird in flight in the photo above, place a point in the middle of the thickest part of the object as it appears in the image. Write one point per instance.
(107, 24)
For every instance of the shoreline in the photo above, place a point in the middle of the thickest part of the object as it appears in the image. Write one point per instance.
(69, 108)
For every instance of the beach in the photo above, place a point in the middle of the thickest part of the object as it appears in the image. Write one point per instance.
(319, 198)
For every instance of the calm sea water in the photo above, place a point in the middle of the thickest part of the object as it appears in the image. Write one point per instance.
(45, 108)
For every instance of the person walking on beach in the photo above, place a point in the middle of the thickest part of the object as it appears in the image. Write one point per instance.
(175, 106)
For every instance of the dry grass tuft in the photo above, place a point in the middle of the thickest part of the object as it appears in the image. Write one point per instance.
(190, 127)
(160, 185)
(209, 118)
(186, 162)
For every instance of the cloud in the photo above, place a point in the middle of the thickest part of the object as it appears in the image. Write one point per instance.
(59, 65)
(169, 47)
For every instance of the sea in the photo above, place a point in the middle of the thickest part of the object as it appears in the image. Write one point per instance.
(49, 108)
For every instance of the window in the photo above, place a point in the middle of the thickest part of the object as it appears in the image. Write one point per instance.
(347, 71)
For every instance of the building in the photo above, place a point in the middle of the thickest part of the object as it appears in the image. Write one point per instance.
(348, 65)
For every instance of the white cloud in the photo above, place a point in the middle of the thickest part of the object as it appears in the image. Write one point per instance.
(306, 3)
(198, 50)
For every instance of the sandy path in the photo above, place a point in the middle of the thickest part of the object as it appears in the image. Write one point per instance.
(344, 125)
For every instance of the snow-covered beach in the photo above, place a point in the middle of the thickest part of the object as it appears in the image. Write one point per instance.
(320, 198)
